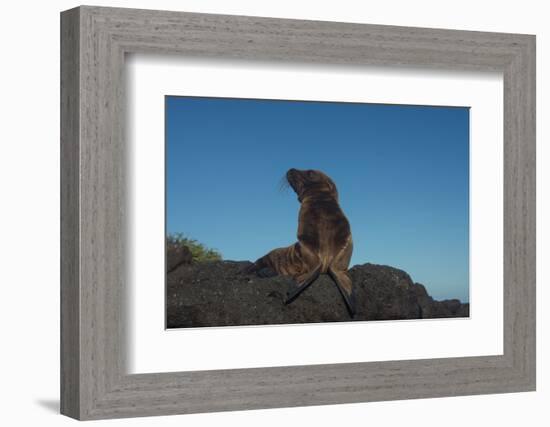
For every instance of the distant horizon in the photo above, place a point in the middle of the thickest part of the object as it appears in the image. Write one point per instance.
(402, 173)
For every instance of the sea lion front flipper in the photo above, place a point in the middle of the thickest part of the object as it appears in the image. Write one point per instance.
(305, 284)
(249, 269)
(257, 267)
(345, 286)
(260, 271)
(266, 272)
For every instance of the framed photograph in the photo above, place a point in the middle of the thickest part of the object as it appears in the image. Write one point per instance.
(263, 213)
(406, 185)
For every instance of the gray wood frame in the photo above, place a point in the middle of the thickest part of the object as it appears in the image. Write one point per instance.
(94, 383)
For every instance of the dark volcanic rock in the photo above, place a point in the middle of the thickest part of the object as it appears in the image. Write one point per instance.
(177, 255)
(217, 293)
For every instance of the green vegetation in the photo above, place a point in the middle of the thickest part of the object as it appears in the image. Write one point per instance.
(199, 251)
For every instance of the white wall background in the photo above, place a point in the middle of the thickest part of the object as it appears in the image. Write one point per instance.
(29, 216)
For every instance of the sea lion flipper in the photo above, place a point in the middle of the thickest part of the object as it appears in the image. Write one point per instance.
(304, 285)
(258, 267)
(345, 286)
(266, 272)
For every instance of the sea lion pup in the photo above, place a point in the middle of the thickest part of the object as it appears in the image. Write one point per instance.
(324, 239)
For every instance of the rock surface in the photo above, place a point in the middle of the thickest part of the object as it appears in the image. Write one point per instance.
(217, 293)
(177, 255)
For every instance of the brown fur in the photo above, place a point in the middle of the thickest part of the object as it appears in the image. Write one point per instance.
(324, 238)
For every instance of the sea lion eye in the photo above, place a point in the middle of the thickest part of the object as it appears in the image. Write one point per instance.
(311, 175)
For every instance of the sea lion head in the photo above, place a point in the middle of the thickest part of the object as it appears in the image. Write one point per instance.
(311, 183)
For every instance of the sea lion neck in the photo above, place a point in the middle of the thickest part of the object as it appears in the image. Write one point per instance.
(317, 197)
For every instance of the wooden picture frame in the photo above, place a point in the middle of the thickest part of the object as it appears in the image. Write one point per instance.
(94, 382)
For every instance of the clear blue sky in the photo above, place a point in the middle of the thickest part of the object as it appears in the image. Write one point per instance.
(402, 173)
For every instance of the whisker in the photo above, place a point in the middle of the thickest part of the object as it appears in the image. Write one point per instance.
(283, 184)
